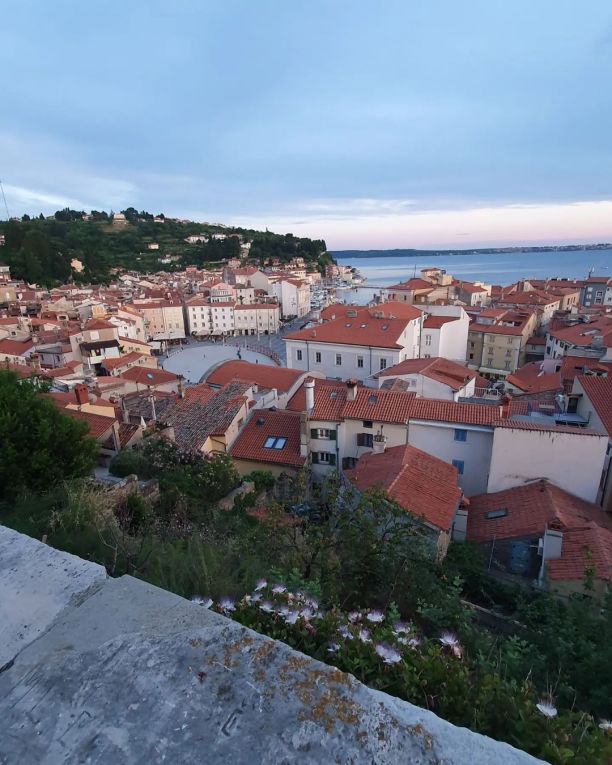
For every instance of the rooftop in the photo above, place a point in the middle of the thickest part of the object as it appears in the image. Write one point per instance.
(424, 485)
(270, 436)
(599, 393)
(264, 375)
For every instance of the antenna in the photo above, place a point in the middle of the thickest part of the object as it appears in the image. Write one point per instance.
(4, 198)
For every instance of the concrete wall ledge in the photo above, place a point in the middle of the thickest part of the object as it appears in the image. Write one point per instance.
(118, 671)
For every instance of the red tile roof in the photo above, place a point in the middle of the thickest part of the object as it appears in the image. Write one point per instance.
(531, 378)
(584, 333)
(370, 327)
(329, 398)
(379, 405)
(435, 322)
(15, 347)
(264, 375)
(263, 424)
(537, 424)
(450, 411)
(149, 375)
(124, 361)
(599, 393)
(412, 284)
(99, 324)
(98, 426)
(539, 505)
(424, 485)
(442, 370)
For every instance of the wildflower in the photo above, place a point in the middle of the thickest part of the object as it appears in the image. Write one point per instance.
(261, 583)
(206, 602)
(605, 725)
(344, 632)
(278, 589)
(547, 709)
(354, 617)
(403, 640)
(387, 653)
(255, 597)
(449, 640)
(399, 628)
(375, 616)
(364, 635)
(283, 611)
(333, 647)
(227, 605)
(314, 604)
(291, 617)
(266, 607)
(414, 642)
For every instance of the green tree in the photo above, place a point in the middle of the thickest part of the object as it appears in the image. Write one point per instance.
(41, 446)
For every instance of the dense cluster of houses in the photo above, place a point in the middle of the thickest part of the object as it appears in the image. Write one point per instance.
(485, 412)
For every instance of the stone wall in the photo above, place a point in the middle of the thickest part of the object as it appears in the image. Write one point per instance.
(114, 671)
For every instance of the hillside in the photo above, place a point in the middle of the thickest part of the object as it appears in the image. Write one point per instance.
(40, 250)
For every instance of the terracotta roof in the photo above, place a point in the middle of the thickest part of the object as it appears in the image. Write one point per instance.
(379, 406)
(531, 378)
(584, 333)
(329, 398)
(532, 508)
(99, 324)
(97, 424)
(450, 411)
(496, 329)
(412, 284)
(420, 483)
(149, 375)
(538, 424)
(256, 307)
(442, 370)
(263, 425)
(264, 375)
(536, 340)
(435, 322)
(599, 393)
(15, 347)
(125, 360)
(370, 327)
(204, 412)
(470, 288)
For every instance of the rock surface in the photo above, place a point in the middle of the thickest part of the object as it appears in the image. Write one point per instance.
(118, 671)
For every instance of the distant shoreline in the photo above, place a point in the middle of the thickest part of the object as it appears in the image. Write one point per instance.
(409, 253)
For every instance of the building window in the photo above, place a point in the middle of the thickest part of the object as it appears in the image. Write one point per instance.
(490, 350)
(471, 345)
(365, 439)
(383, 364)
(508, 353)
(298, 355)
(274, 442)
(471, 355)
(326, 433)
(324, 458)
(459, 464)
(507, 365)
(360, 362)
(318, 357)
(460, 434)
(509, 341)
(338, 359)
(368, 424)
(427, 339)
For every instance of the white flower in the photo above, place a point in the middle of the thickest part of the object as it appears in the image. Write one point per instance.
(449, 640)
(333, 647)
(227, 605)
(255, 597)
(314, 604)
(307, 612)
(291, 617)
(414, 642)
(205, 602)
(266, 607)
(399, 628)
(261, 583)
(354, 616)
(278, 589)
(403, 640)
(344, 632)
(375, 616)
(387, 653)
(364, 635)
(605, 725)
(547, 709)
(283, 610)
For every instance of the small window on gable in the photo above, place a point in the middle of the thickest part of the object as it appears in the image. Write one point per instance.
(372, 399)
(275, 442)
(460, 434)
(501, 512)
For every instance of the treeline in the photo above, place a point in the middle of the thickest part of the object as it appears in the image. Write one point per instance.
(42, 250)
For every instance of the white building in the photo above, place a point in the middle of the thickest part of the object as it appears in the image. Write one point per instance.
(358, 344)
(432, 378)
(293, 296)
(445, 332)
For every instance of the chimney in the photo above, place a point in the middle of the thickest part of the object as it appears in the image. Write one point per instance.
(351, 390)
(309, 386)
(181, 387)
(506, 400)
(303, 436)
(81, 394)
(379, 443)
(116, 441)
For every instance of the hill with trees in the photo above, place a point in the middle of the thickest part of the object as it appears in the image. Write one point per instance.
(40, 250)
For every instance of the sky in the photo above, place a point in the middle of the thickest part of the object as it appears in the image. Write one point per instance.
(370, 124)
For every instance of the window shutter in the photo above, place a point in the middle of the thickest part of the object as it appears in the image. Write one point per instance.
(332, 434)
(360, 438)
(332, 459)
(314, 433)
(315, 457)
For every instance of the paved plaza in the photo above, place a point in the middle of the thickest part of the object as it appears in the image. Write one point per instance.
(195, 359)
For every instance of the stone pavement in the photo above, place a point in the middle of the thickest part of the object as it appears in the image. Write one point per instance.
(112, 671)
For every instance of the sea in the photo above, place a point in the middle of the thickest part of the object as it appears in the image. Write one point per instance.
(382, 270)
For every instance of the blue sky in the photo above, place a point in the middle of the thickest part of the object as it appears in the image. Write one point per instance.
(371, 124)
